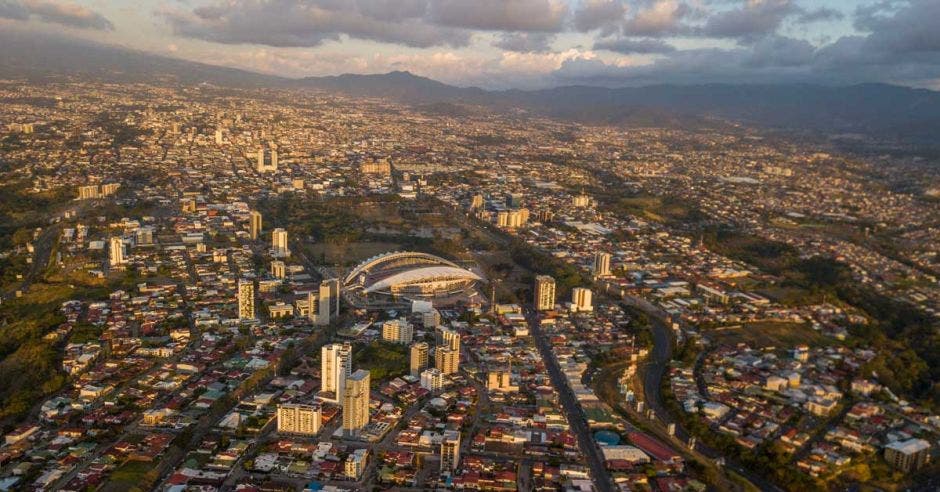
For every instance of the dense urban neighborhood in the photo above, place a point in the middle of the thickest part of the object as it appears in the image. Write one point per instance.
(209, 288)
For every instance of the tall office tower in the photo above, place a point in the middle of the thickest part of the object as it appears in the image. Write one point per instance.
(544, 293)
(246, 299)
(278, 269)
(279, 243)
(581, 299)
(299, 419)
(116, 251)
(356, 403)
(432, 379)
(218, 136)
(335, 368)
(476, 202)
(450, 451)
(254, 224)
(601, 264)
(267, 160)
(333, 284)
(397, 331)
(450, 339)
(419, 358)
(447, 360)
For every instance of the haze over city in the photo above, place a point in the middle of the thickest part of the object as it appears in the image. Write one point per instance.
(490, 245)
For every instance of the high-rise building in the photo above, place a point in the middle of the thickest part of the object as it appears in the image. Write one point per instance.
(431, 319)
(601, 264)
(254, 224)
(476, 202)
(335, 368)
(356, 402)
(450, 451)
(116, 251)
(278, 269)
(450, 339)
(324, 302)
(544, 293)
(298, 419)
(581, 299)
(279, 243)
(910, 455)
(218, 136)
(246, 299)
(88, 192)
(397, 331)
(418, 355)
(267, 160)
(432, 379)
(447, 360)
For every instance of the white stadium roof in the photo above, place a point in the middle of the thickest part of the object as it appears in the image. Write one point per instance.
(423, 274)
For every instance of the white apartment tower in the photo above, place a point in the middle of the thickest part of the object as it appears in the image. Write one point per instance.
(581, 299)
(279, 243)
(116, 251)
(335, 368)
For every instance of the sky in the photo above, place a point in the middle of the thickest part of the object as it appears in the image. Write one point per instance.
(499, 44)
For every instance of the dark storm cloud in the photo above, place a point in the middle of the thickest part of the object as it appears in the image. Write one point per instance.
(606, 15)
(64, 13)
(634, 46)
(525, 42)
(500, 15)
(289, 23)
(752, 19)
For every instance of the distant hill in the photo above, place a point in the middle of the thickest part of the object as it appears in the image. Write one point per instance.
(879, 110)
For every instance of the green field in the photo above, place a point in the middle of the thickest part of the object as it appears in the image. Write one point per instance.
(769, 334)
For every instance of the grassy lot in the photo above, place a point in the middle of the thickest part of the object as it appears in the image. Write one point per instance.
(353, 252)
(383, 360)
(769, 334)
(129, 476)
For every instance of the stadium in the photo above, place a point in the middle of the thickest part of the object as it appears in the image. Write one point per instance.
(396, 279)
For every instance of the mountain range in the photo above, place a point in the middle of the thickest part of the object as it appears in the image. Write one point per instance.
(882, 111)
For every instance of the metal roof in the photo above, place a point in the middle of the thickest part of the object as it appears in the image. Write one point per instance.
(423, 274)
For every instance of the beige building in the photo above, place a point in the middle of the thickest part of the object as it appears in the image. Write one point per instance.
(278, 269)
(356, 403)
(910, 455)
(279, 243)
(397, 331)
(447, 360)
(581, 299)
(298, 419)
(418, 357)
(544, 299)
(254, 224)
(116, 251)
(246, 299)
(500, 381)
(601, 264)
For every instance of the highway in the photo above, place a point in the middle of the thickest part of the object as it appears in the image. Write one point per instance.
(573, 412)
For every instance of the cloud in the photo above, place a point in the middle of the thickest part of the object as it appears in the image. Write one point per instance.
(606, 15)
(658, 18)
(634, 46)
(525, 42)
(299, 23)
(64, 13)
(500, 15)
(754, 18)
(819, 15)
